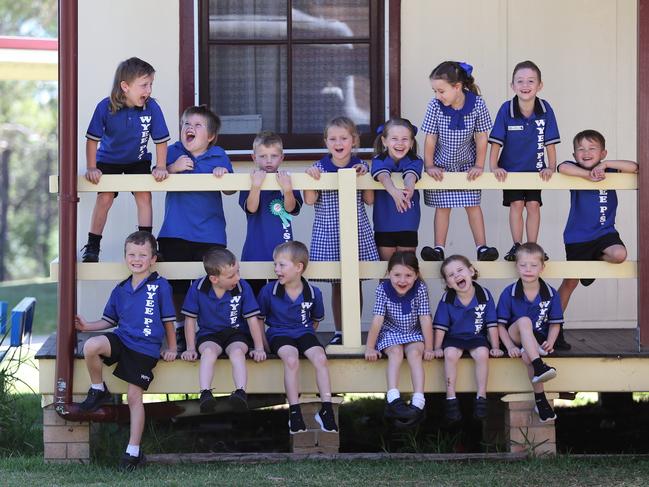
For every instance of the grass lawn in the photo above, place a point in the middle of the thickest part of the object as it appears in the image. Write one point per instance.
(563, 471)
(45, 293)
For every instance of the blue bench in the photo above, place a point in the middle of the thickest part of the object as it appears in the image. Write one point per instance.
(20, 325)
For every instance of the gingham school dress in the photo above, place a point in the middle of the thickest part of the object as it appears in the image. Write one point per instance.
(401, 314)
(325, 236)
(455, 150)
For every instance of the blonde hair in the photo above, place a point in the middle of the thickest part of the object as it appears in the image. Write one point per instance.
(127, 71)
(297, 252)
(343, 123)
(267, 139)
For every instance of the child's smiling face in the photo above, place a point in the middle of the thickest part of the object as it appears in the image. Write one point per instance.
(339, 142)
(139, 258)
(588, 153)
(526, 84)
(138, 91)
(449, 95)
(287, 271)
(458, 276)
(195, 135)
(402, 278)
(398, 141)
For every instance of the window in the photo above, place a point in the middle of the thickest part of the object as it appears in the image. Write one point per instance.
(291, 65)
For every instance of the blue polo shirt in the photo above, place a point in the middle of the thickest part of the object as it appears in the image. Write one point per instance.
(266, 227)
(544, 310)
(466, 322)
(123, 136)
(592, 213)
(216, 314)
(286, 317)
(139, 313)
(196, 216)
(385, 215)
(523, 140)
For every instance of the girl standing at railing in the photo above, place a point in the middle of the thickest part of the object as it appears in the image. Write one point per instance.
(340, 137)
(456, 124)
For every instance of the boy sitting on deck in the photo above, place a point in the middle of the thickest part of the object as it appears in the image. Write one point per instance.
(226, 310)
(141, 308)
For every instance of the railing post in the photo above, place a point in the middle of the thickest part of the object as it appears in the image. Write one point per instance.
(349, 272)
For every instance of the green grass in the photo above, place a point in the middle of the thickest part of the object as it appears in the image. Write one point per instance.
(45, 293)
(562, 471)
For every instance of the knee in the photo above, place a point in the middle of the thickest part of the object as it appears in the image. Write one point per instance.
(105, 200)
(134, 398)
(143, 197)
(516, 206)
(570, 284)
(209, 354)
(524, 324)
(91, 347)
(292, 362)
(618, 255)
(237, 353)
(415, 353)
(320, 361)
(394, 353)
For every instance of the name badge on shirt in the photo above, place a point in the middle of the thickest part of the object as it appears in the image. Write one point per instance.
(515, 127)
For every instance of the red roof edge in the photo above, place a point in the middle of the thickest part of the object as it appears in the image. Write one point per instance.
(39, 44)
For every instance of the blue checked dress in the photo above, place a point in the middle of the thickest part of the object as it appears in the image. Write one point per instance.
(401, 314)
(455, 150)
(325, 236)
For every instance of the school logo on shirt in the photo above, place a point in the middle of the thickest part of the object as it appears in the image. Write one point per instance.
(603, 205)
(540, 138)
(145, 122)
(235, 303)
(304, 312)
(276, 208)
(149, 305)
(543, 314)
(479, 318)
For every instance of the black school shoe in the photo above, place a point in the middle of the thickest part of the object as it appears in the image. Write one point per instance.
(432, 254)
(398, 409)
(586, 282)
(325, 418)
(95, 399)
(544, 410)
(452, 411)
(239, 400)
(90, 253)
(337, 339)
(129, 463)
(207, 401)
(510, 256)
(480, 408)
(561, 343)
(486, 253)
(544, 373)
(296, 422)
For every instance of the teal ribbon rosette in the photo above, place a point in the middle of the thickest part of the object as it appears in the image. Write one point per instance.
(276, 208)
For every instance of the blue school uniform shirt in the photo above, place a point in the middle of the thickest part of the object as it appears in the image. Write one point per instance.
(592, 213)
(466, 322)
(288, 318)
(216, 314)
(269, 226)
(385, 216)
(196, 216)
(523, 140)
(123, 136)
(139, 313)
(544, 310)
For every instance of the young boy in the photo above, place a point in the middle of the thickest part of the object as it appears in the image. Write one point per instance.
(590, 232)
(142, 309)
(269, 213)
(194, 220)
(525, 129)
(226, 311)
(292, 309)
(529, 320)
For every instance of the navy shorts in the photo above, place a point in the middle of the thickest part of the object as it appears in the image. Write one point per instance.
(180, 250)
(302, 343)
(396, 239)
(511, 195)
(464, 343)
(133, 367)
(593, 249)
(140, 167)
(225, 337)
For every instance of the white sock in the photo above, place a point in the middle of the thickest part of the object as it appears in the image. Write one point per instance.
(99, 387)
(418, 400)
(450, 398)
(392, 395)
(441, 247)
(133, 450)
(338, 333)
(180, 324)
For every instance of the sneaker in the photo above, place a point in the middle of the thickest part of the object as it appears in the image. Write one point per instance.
(510, 256)
(586, 282)
(95, 399)
(452, 411)
(239, 400)
(432, 254)
(561, 343)
(487, 253)
(544, 373)
(480, 408)
(325, 418)
(129, 463)
(544, 410)
(546, 257)
(90, 253)
(337, 339)
(398, 409)
(207, 401)
(296, 422)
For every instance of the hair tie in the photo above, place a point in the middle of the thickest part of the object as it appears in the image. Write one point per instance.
(379, 129)
(466, 67)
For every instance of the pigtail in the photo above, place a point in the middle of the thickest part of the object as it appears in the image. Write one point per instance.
(455, 72)
(378, 147)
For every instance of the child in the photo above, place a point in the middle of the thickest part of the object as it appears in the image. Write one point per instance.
(142, 310)
(341, 137)
(465, 315)
(292, 309)
(269, 213)
(194, 221)
(401, 326)
(590, 232)
(456, 125)
(523, 127)
(123, 124)
(396, 211)
(529, 315)
(226, 311)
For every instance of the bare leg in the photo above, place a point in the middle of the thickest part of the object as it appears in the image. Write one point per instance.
(565, 291)
(100, 212)
(533, 221)
(476, 222)
(538, 387)
(318, 358)
(144, 209)
(136, 408)
(209, 351)
(336, 306)
(395, 357)
(92, 351)
(615, 254)
(440, 225)
(516, 220)
(414, 352)
(386, 252)
(291, 359)
(480, 356)
(451, 357)
(237, 354)
(522, 333)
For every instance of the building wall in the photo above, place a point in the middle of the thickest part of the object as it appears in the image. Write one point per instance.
(586, 50)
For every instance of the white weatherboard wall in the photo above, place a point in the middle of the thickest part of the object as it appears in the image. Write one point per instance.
(587, 54)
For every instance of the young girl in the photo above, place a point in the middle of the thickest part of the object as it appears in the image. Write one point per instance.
(530, 317)
(456, 125)
(523, 126)
(341, 137)
(465, 315)
(401, 326)
(123, 124)
(396, 211)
